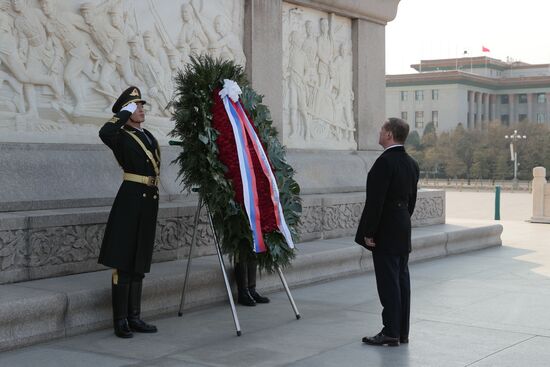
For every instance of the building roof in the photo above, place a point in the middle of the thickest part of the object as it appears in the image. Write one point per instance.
(461, 77)
(459, 71)
(472, 62)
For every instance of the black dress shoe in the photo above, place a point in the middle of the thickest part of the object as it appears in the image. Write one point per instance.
(257, 297)
(381, 339)
(122, 330)
(404, 339)
(244, 298)
(140, 326)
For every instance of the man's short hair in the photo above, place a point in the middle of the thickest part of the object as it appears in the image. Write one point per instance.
(398, 128)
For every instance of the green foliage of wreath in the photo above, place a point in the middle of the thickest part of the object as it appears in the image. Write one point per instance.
(201, 169)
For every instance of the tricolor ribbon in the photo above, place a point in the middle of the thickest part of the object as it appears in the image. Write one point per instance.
(242, 130)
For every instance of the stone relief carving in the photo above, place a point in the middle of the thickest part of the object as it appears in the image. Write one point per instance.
(311, 220)
(74, 245)
(428, 208)
(12, 249)
(342, 216)
(60, 245)
(63, 63)
(317, 80)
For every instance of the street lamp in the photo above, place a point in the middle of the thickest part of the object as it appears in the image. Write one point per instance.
(514, 153)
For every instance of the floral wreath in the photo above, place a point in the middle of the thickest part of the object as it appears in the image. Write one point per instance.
(209, 161)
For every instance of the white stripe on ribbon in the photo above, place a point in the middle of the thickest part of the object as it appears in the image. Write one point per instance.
(256, 233)
(281, 223)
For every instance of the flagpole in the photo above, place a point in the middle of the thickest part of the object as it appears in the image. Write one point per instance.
(456, 57)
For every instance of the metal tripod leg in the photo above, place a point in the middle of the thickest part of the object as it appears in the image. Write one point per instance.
(287, 290)
(190, 257)
(225, 279)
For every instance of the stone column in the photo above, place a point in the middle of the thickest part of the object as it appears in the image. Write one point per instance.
(485, 108)
(471, 109)
(547, 108)
(511, 109)
(263, 47)
(478, 110)
(369, 82)
(530, 107)
(493, 99)
(538, 184)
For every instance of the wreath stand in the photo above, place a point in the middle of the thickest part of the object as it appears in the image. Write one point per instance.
(222, 266)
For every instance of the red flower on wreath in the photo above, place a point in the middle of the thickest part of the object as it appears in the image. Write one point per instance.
(228, 156)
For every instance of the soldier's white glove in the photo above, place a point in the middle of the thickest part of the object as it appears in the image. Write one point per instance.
(131, 107)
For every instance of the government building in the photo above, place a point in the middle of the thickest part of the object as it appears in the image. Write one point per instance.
(472, 91)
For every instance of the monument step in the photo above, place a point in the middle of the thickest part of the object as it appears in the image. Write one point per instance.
(41, 310)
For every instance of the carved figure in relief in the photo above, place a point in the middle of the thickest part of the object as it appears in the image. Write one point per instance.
(299, 119)
(68, 28)
(322, 102)
(102, 33)
(222, 43)
(310, 49)
(152, 48)
(343, 99)
(191, 39)
(33, 59)
(120, 36)
(152, 75)
(8, 44)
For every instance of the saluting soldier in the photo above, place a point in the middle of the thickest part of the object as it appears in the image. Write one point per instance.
(130, 233)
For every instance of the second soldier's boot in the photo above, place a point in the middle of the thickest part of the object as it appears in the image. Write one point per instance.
(120, 310)
(243, 296)
(252, 270)
(134, 310)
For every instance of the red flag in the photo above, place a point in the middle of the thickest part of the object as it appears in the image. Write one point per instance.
(485, 49)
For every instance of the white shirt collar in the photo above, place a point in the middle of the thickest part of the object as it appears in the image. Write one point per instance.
(393, 146)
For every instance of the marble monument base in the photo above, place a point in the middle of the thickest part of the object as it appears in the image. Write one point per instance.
(55, 203)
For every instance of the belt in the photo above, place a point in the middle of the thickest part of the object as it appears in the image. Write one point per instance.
(146, 180)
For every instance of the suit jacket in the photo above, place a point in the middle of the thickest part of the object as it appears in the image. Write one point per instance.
(130, 232)
(391, 197)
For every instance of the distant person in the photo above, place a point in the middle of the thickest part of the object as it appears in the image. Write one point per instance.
(385, 229)
(130, 233)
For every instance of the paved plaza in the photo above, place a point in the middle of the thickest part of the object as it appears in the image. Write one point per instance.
(483, 308)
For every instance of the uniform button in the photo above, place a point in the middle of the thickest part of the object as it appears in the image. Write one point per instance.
(147, 160)
(154, 196)
(144, 195)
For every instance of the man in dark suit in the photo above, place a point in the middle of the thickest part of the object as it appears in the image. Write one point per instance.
(385, 229)
(130, 233)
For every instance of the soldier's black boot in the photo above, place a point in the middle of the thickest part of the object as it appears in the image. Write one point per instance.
(134, 310)
(243, 296)
(251, 270)
(119, 294)
(257, 297)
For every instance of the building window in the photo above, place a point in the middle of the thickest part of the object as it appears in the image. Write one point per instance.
(419, 95)
(404, 95)
(505, 120)
(404, 116)
(504, 99)
(522, 117)
(419, 119)
(522, 98)
(541, 98)
(435, 94)
(540, 118)
(435, 118)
